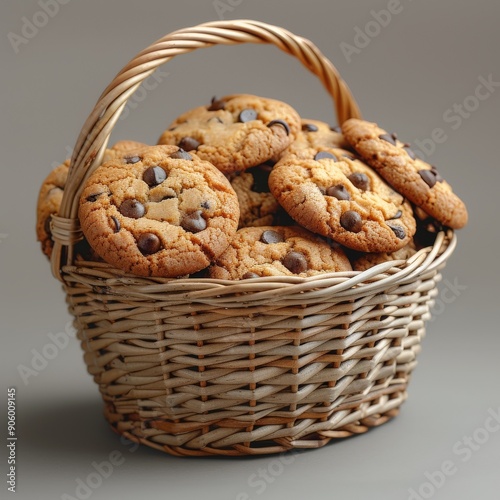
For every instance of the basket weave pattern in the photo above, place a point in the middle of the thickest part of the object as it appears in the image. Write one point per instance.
(202, 366)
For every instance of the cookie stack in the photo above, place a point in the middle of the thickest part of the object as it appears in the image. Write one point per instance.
(243, 188)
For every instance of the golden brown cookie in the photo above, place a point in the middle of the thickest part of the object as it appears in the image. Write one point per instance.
(332, 193)
(277, 251)
(235, 132)
(159, 212)
(412, 177)
(52, 189)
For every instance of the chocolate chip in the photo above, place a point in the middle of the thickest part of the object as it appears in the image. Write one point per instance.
(270, 237)
(325, 154)
(130, 160)
(398, 231)
(116, 223)
(309, 127)
(205, 205)
(193, 222)
(336, 129)
(398, 215)
(189, 143)
(410, 152)
(295, 262)
(322, 190)
(428, 176)
(351, 221)
(181, 155)
(339, 191)
(391, 138)
(282, 123)
(247, 115)
(360, 180)
(148, 243)
(93, 197)
(132, 208)
(216, 104)
(153, 176)
(249, 275)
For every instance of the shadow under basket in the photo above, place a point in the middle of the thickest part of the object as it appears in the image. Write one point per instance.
(197, 366)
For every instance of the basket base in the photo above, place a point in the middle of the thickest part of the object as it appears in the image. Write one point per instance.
(133, 430)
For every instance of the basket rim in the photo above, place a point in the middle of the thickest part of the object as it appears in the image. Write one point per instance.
(347, 285)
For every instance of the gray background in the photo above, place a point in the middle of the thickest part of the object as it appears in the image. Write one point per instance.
(425, 60)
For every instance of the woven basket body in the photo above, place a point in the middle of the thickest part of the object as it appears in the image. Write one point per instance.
(201, 366)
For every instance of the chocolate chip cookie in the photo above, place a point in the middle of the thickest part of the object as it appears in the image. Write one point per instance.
(258, 207)
(415, 179)
(335, 194)
(235, 132)
(277, 251)
(160, 211)
(52, 189)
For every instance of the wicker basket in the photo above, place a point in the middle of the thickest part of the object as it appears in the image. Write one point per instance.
(210, 367)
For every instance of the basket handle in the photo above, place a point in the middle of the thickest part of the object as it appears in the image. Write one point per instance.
(95, 133)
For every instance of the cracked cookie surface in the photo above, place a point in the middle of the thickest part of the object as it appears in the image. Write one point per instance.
(235, 132)
(277, 251)
(159, 212)
(333, 193)
(415, 179)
